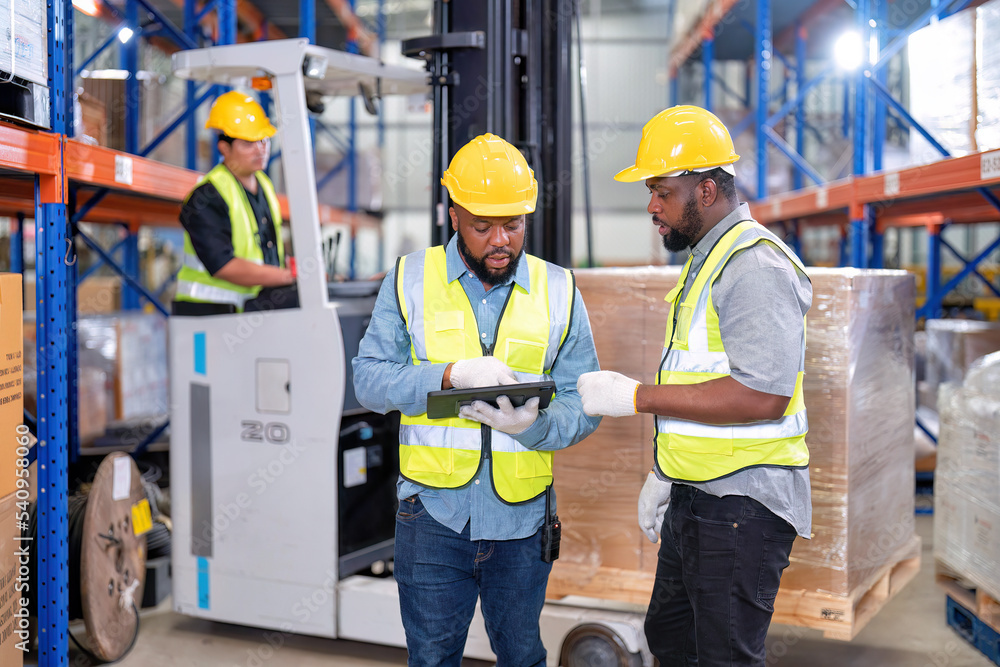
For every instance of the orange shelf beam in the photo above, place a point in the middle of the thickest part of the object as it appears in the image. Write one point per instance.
(918, 195)
(96, 165)
(28, 150)
(714, 13)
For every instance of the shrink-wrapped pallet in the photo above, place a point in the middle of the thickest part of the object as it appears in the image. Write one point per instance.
(967, 480)
(952, 347)
(859, 393)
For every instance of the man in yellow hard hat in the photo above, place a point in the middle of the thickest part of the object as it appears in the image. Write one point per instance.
(472, 490)
(729, 489)
(232, 222)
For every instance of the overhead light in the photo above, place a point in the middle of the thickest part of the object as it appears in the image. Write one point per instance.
(125, 34)
(848, 51)
(116, 74)
(88, 7)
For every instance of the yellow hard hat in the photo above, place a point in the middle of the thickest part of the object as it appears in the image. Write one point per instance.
(679, 140)
(490, 177)
(238, 115)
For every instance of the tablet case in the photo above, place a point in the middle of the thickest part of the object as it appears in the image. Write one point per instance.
(446, 403)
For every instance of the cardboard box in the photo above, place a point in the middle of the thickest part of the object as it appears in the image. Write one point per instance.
(11, 376)
(11, 655)
(859, 393)
(99, 294)
(30, 45)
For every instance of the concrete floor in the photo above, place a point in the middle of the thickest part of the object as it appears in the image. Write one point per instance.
(909, 632)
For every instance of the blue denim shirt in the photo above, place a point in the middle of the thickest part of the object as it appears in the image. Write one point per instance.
(385, 379)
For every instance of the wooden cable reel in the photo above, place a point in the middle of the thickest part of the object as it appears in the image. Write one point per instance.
(112, 557)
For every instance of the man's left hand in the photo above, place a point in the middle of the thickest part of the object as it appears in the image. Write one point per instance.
(504, 418)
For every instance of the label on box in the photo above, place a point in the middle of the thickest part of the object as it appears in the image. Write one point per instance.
(122, 478)
(10, 377)
(989, 165)
(142, 518)
(123, 169)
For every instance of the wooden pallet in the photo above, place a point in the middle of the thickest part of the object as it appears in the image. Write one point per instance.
(842, 617)
(983, 605)
(839, 617)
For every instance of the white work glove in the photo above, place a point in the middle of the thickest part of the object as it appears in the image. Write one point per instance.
(505, 418)
(653, 501)
(607, 393)
(481, 372)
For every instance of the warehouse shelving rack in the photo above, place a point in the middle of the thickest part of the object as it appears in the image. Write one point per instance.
(61, 182)
(951, 191)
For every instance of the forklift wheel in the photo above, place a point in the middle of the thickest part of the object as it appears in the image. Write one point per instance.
(594, 645)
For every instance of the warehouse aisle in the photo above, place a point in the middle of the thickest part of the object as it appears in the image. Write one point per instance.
(909, 632)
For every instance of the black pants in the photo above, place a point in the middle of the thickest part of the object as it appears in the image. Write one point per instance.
(717, 575)
(269, 298)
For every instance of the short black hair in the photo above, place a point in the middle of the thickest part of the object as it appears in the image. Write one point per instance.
(225, 137)
(723, 180)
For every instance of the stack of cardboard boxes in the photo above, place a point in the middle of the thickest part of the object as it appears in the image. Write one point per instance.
(14, 584)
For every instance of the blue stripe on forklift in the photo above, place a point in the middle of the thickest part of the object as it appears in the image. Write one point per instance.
(203, 596)
(199, 352)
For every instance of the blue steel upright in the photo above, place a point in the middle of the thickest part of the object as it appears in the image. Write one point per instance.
(762, 58)
(861, 219)
(800, 113)
(54, 322)
(707, 56)
(133, 89)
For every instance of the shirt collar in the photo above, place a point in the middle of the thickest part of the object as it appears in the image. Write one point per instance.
(456, 266)
(737, 215)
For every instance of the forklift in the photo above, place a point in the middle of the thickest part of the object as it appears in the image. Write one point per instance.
(283, 486)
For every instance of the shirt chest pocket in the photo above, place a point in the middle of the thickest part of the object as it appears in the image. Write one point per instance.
(449, 334)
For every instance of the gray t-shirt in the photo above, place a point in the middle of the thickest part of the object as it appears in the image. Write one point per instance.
(761, 299)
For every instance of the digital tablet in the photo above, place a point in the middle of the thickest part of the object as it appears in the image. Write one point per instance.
(447, 402)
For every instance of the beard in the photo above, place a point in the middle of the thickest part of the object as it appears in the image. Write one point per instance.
(688, 229)
(485, 273)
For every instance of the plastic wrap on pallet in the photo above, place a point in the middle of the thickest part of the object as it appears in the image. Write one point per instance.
(941, 64)
(952, 347)
(967, 480)
(127, 354)
(988, 75)
(859, 392)
(30, 52)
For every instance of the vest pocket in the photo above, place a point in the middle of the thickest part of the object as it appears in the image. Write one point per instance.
(525, 356)
(532, 464)
(449, 334)
(440, 460)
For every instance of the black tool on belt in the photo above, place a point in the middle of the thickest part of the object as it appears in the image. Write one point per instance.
(551, 530)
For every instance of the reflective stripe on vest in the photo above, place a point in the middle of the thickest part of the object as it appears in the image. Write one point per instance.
(194, 282)
(693, 353)
(446, 453)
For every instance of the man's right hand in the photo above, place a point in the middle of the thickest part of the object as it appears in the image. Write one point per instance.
(653, 501)
(479, 372)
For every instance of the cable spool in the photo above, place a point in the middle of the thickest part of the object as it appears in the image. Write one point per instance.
(107, 560)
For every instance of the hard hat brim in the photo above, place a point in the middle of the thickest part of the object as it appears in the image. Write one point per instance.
(498, 210)
(635, 173)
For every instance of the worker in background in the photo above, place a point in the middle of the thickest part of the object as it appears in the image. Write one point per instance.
(234, 258)
(478, 312)
(729, 489)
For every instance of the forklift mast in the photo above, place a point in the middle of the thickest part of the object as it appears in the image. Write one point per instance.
(503, 66)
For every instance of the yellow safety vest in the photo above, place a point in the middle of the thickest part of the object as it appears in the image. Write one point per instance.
(194, 282)
(447, 453)
(693, 352)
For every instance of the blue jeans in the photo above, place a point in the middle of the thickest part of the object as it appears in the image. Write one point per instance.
(441, 573)
(717, 575)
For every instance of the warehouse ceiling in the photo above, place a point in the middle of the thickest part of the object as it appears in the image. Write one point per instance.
(733, 40)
